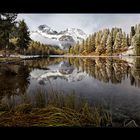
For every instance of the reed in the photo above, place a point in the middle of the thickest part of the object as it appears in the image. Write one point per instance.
(53, 109)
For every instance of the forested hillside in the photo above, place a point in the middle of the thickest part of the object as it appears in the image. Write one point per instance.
(109, 42)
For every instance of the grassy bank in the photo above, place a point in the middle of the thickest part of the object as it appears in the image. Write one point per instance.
(9, 59)
(26, 116)
(52, 110)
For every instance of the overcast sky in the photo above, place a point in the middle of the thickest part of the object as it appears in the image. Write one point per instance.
(89, 23)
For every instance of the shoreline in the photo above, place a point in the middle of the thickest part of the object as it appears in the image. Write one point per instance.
(89, 56)
(26, 57)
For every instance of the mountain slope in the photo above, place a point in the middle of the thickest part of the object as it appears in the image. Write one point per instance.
(63, 39)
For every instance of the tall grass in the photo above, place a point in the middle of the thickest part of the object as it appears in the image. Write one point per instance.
(53, 109)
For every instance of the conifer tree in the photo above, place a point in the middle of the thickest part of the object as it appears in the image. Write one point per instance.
(86, 46)
(114, 33)
(124, 41)
(77, 47)
(82, 46)
(118, 41)
(7, 21)
(136, 43)
(132, 33)
(97, 43)
(92, 46)
(109, 48)
(128, 40)
(104, 40)
(23, 36)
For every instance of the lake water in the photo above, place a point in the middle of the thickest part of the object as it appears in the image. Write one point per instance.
(111, 82)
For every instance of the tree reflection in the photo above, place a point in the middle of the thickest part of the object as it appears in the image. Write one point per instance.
(135, 73)
(23, 78)
(14, 84)
(109, 69)
(42, 63)
(14, 79)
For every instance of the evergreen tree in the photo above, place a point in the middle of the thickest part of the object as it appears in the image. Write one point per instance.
(124, 41)
(86, 46)
(118, 41)
(71, 50)
(109, 48)
(104, 40)
(132, 33)
(136, 43)
(114, 33)
(14, 31)
(23, 36)
(82, 46)
(97, 43)
(77, 48)
(135, 28)
(7, 21)
(92, 45)
(138, 29)
(128, 40)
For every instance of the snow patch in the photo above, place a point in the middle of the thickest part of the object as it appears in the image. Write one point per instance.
(129, 52)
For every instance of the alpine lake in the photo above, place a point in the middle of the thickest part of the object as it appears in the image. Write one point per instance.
(111, 82)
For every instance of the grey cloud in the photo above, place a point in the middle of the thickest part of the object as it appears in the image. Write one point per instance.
(87, 22)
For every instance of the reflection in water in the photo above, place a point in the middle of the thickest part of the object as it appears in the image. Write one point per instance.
(14, 84)
(96, 78)
(135, 73)
(97, 69)
(23, 78)
(109, 69)
(65, 68)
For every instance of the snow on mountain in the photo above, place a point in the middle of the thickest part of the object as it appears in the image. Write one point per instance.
(64, 39)
(77, 34)
(36, 36)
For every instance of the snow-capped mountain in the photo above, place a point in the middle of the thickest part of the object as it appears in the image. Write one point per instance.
(63, 39)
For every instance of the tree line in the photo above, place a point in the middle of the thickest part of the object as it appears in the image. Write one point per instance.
(109, 42)
(37, 48)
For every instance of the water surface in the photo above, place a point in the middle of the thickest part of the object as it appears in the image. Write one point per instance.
(111, 82)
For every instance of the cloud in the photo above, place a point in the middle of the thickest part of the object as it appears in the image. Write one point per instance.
(89, 23)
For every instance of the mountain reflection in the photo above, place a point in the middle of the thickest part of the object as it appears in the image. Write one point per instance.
(65, 68)
(15, 79)
(108, 70)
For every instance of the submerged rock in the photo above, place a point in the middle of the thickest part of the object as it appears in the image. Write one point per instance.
(41, 82)
(130, 124)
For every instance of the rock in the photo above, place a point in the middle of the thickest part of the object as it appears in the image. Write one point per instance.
(41, 82)
(130, 124)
